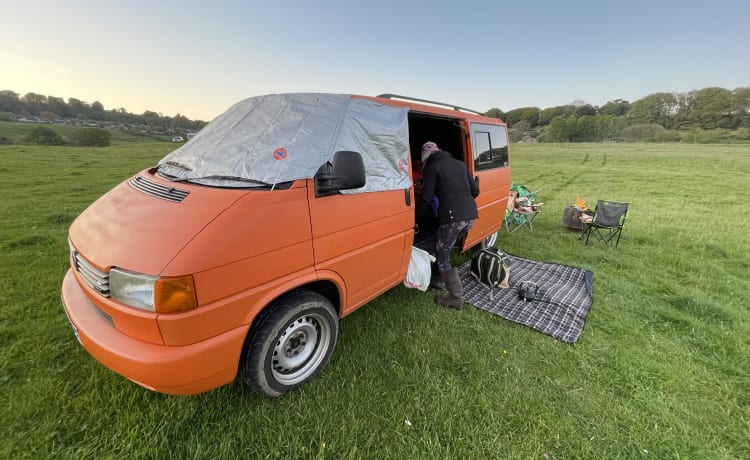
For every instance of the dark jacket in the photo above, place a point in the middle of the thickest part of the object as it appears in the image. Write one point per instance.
(449, 180)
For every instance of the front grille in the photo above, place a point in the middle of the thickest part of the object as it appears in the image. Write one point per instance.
(144, 185)
(96, 280)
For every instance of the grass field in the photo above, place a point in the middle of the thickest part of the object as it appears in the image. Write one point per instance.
(16, 131)
(662, 369)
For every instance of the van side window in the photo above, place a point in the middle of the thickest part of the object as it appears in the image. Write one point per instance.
(490, 146)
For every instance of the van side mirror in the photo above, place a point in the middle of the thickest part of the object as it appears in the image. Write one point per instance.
(345, 171)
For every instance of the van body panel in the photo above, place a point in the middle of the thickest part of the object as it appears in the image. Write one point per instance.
(238, 309)
(361, 237)
(368, 270)
(409, 239)
(129, 229)
(166, 369)
(491, 202)
(260, 223)
(260, 247)
(236, 277)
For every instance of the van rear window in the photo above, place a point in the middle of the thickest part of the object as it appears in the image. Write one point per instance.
(490, 146)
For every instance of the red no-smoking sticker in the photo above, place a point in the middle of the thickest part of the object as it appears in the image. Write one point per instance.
(279, 154)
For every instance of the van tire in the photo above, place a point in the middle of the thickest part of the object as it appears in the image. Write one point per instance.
(291, 344)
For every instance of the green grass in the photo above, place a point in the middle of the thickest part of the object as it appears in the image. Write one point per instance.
(16, 131)
(662, 369)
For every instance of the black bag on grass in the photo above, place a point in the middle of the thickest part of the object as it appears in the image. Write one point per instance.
(491, 268)
(528, 290)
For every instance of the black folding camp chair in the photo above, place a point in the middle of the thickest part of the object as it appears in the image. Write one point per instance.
(606, 225)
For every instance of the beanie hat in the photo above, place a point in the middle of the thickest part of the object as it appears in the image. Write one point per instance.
(428, 149)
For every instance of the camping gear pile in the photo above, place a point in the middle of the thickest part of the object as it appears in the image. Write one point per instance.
(562, 298)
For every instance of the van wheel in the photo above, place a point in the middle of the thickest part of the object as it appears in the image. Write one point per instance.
(291, 344)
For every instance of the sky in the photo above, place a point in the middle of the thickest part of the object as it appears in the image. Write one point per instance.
(197, 58)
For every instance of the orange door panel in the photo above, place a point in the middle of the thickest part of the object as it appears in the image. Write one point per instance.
(493, 197)
(363, 238)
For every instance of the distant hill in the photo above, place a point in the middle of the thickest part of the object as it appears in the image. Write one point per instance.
(37, 108)
(708, 115)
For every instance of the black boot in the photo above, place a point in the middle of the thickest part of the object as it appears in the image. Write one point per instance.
(436, 282)
(455, 297)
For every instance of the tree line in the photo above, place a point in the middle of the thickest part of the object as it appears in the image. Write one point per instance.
(52, 108)
(705, 115)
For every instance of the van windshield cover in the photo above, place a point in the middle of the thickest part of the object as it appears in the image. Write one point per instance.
(285, 137)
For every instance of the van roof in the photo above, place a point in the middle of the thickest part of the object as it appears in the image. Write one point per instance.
(433, 107)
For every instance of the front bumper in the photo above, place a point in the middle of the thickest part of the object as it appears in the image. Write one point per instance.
(182, 370)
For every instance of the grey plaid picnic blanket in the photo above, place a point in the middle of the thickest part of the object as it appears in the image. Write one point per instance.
(562, 303)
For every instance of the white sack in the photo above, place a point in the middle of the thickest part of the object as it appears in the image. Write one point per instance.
(418, 275)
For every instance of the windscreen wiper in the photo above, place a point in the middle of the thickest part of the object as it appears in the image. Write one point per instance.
(222, 178)
(178, 165)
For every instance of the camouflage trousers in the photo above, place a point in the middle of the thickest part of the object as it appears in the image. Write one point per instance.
(445, 239)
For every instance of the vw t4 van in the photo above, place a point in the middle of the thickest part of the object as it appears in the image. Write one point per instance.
(238, 253)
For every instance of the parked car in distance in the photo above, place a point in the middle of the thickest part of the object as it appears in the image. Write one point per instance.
(178, 139)
(240, 251)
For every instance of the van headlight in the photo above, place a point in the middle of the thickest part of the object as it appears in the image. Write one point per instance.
(152, 293)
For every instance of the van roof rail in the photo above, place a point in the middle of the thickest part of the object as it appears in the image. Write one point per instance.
(407, 98)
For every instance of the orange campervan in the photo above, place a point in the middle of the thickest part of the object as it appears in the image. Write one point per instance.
(240, 250)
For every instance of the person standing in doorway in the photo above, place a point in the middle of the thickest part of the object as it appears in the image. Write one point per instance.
(449, 180)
